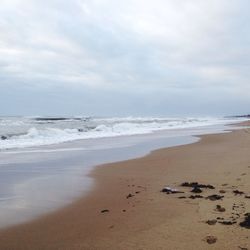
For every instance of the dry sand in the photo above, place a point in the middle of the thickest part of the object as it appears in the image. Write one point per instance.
(151, 219)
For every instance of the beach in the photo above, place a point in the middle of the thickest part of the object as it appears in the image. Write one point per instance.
(124, 125)
(127, 209)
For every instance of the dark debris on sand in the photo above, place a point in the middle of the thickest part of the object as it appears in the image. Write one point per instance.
(246, 222)
(196, 190)
(227, 222)
(182, 197)
(211, 239)
(237, 192)
(105, 211)
(211, 222)
(129, 196)
(215, 197)
(196, 196)
(196, 185)
(222, 191)
(219, 208)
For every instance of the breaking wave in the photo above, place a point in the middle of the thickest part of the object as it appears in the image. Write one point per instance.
(19, 132)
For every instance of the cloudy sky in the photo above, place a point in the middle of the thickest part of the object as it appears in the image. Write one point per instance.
(133, 57)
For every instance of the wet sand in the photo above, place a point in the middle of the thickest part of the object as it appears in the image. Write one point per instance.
(127, 210)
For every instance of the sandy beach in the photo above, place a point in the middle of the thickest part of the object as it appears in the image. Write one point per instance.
(127, 210)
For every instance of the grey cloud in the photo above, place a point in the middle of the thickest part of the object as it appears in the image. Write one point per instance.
(175, 53)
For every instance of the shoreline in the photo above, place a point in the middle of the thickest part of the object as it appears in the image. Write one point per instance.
(136, 221)
(43, 193)
(50, 192)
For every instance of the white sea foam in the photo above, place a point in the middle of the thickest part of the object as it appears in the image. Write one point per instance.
(28, 132)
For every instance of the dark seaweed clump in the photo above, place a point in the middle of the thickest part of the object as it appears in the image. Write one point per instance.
(196, 185)
(246, 222)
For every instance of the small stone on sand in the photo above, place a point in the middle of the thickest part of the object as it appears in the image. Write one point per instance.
(196, 190)
(222, 191)
(215, 197)
(211, 239)
(129, 196)
(219, 208)
(105, 211)
(211, 222)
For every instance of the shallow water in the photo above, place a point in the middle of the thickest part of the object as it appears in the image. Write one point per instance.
(39, 180)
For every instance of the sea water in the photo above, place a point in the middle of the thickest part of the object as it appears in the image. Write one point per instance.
(21, 132)
(45, 162)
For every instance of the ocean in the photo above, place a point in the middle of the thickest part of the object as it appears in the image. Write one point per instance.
(22, 132)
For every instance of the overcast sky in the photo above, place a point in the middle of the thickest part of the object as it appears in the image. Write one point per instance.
(117, 57)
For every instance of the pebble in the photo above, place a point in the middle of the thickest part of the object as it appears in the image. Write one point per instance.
(105, 211)
(211, 222)
(220, 208)
(215, 197)
(211, 239)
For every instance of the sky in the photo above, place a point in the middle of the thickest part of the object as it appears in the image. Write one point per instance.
(120, 58)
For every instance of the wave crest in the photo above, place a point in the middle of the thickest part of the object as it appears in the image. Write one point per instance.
(33, 134)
